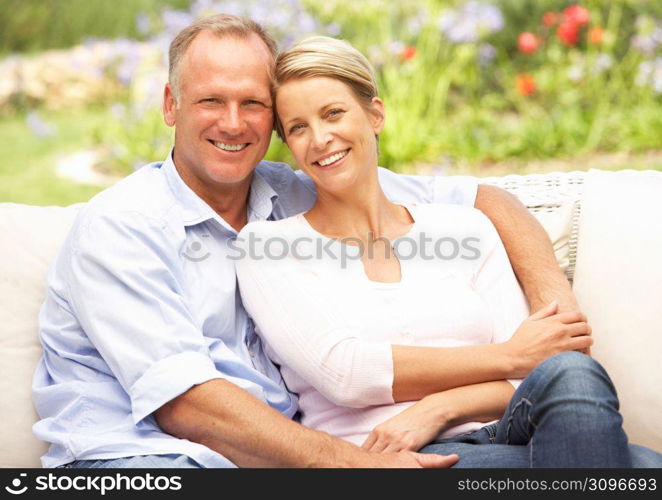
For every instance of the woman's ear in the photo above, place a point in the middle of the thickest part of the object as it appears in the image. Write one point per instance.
(377, 114)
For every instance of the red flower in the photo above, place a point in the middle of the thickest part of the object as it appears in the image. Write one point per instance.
(550, 18)
(527, 43)
(596, 35)
(525, 84)
(577, 15)
(568, 33)
(408, 53)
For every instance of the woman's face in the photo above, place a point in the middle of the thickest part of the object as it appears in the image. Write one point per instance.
(330, 134)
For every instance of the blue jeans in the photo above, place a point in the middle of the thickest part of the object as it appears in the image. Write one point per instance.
(564, 414)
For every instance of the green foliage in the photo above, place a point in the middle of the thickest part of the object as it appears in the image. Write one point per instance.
(446, 104)
(449, 100)
(32, 25)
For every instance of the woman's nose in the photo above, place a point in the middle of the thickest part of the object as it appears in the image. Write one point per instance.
(321, 137)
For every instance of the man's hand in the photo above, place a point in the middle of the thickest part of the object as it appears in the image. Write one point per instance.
(544, 334)
(409, 460)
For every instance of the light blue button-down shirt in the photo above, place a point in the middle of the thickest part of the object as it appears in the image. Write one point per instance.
(142, 304)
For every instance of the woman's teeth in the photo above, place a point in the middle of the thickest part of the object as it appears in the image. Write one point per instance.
(333, 158)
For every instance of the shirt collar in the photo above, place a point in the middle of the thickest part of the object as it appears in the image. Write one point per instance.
(261, 200)
(262, 197)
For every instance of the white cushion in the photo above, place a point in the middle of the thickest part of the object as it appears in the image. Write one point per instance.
(31, 237)
(617, 282)
(558, 224)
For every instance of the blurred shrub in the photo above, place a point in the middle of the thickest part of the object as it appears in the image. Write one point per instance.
(33, 25)
(464, 81)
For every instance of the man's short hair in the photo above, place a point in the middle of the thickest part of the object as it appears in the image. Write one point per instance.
(220, 25)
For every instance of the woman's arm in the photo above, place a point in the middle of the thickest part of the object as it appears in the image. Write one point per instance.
(519, 342)
(422, 422)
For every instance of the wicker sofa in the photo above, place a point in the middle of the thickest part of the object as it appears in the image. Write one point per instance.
(606, 235)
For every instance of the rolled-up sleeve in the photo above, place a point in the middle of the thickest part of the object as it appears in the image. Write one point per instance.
(303, 325)
(125, 286)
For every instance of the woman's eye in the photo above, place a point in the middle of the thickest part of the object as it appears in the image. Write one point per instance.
(295, 128)
(334, 112)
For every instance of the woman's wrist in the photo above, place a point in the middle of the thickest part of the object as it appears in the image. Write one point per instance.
(442, 410)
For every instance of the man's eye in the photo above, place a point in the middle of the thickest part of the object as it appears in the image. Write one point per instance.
(208, 99)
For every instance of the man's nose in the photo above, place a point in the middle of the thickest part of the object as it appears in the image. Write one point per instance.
(231, 121)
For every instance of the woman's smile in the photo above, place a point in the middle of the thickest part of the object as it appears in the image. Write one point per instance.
(332, 160)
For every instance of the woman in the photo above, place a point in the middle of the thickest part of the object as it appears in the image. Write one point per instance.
(378, 313)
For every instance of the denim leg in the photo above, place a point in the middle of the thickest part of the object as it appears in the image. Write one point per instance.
(171, 461)
(477, 450)
(645, 458)
(566, 413)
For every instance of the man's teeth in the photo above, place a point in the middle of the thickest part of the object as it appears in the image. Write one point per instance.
(230, 147)
(332, 159)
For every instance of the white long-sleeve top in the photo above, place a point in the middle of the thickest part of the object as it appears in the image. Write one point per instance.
(331, 329)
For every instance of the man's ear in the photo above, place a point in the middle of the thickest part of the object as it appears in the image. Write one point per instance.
(169, 106)
(377, 114)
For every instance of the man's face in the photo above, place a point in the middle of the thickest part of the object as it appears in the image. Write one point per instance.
(223, 117)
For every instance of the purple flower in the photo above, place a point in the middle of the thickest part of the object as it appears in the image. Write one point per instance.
(280, 20)
(333, 29)
(470, 22)
(38, 126)
(486, 54)
(118, 110)
(259, 12)
(415, 24)
(307, 23)
(603, 62)
(143, 24)
(396, 47)
(650, 73)
(643, 43)
(649, 34)
(176, 20)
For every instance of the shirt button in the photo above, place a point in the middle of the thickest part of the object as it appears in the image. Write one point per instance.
(408, 335)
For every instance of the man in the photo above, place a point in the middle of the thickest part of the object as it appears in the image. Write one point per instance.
(150, 359)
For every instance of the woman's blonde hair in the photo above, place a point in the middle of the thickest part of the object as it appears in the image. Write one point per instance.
(321, 56)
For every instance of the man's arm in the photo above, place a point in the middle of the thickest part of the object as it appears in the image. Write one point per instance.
(529, 249)
(230, 421)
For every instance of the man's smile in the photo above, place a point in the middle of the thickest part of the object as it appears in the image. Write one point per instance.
(224, 146)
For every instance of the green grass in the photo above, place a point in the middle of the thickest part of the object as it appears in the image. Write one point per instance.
(27, 173)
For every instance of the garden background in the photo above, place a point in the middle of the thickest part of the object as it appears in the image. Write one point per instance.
(472, 87)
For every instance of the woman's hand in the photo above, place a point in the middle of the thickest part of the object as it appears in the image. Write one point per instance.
(545, 334)
(410, 430)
